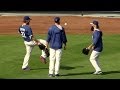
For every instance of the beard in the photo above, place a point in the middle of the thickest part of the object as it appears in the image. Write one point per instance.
(92, 28)
(28, 23)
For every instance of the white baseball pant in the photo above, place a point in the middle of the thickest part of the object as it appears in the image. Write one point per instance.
(54, 64)
(94, 60)
(29, 47)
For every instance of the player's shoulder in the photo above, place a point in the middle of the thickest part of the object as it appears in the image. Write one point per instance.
(27, 26)
(51, 27)
(24, 26)
(63, 28)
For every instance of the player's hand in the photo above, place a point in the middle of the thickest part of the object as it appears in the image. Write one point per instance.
(47, 45)
(92, 47)
(88, 48)
(37, 43)
(64, 47)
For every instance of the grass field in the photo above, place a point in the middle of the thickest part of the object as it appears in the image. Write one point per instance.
(74, 65)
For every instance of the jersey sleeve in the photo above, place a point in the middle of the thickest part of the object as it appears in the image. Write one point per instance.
(30, 33)
(49, 34)
(19, 30)
(64, 38)
(96, 36)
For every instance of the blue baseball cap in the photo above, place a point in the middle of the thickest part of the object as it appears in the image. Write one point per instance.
(95, 22)
(27, 18)
(57, 19)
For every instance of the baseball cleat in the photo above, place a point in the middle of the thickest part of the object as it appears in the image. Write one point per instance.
(57, 75)
(97, 73)
(26, 69)
(43, 59)
(50, 75)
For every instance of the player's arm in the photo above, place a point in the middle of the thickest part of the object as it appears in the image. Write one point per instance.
(91, 46)
(95, 40)
(64, 38)
(97, 36)
(48, 36)
(33, 37)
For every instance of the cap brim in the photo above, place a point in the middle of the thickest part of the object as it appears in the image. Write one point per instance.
(91, 23)
(28, 19)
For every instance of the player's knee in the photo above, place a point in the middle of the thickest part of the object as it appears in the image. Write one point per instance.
(91, 59)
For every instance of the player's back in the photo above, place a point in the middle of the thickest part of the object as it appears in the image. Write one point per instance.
(55, 37)
(26, 32)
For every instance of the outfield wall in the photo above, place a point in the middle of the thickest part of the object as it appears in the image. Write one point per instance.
(111, 14)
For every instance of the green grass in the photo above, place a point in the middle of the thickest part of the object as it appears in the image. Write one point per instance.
(74, 65)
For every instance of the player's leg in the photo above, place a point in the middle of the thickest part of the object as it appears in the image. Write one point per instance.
(94, 60)
(57, 63)
(43, 55)
(43, 41)
(51, 61)
(43, 52)
(29, 46)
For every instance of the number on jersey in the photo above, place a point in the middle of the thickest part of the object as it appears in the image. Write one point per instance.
(22, 30)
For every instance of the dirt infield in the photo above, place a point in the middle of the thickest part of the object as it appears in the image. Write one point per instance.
(75, 24)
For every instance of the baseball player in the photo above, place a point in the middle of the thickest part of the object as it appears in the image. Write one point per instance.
(30, 41)
(96, 46)
(56, 38)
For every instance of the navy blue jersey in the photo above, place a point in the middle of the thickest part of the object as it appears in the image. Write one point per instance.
(97, 40)
(26, 32)
(56, 37)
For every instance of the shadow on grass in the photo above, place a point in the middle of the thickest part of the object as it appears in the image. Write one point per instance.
(69, 67)
(2, 78)
(73, 74)
(110, 72)
(38, 68)
(61, 67)
(85, 73)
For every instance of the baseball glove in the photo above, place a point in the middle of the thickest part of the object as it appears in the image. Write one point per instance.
(47, 52)
(41, 46)
(85, 51)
